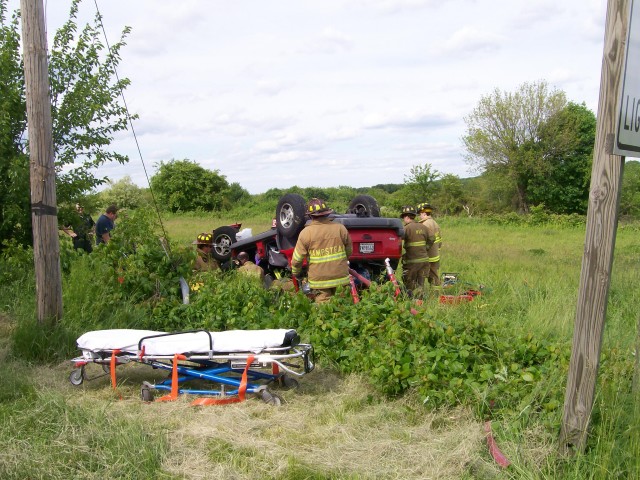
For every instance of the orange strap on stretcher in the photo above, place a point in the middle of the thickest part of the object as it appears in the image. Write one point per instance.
(112, 368)
(174, 380)
(206, 401)
(223, 401)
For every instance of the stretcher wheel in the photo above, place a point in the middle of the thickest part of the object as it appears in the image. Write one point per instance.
(77, 376)
(288, 382)
(146, 394)
(106, 368)
(270, 398)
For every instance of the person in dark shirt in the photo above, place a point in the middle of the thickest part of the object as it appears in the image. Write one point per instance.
(80, 229)
(105, 224)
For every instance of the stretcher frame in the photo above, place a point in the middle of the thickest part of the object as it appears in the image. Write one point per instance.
(235, 373)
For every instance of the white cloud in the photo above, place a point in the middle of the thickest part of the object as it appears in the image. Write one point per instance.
(330, 41)
(397, 6)
(285, 141)
(469, 40)
(270, 87)
(401, 119)
(532, 14)
(343, 133)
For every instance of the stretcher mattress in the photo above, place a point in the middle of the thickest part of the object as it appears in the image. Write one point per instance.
(201, 342)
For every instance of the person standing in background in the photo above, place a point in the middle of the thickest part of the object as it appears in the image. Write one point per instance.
(80, 229)
(105, 224)
(425, 210)
(415, 260)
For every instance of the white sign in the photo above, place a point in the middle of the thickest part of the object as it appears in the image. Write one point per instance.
(628, 129)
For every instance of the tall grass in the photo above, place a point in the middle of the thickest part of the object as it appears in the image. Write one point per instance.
(47, 435)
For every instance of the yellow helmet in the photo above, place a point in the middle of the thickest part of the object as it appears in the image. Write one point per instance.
(204, 239)
(425, 208)
(408, 210)
(318, 208)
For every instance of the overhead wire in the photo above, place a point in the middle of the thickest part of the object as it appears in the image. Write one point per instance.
(133, 131)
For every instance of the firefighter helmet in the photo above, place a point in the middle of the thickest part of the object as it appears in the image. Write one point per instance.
(318, 208)
(425, 208)
(408, 210)
(204, 239)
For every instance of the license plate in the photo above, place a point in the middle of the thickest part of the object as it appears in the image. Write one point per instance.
(366, 248)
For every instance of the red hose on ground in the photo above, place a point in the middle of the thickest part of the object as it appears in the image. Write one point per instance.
(354, 289)
(392, 276)
(494, 450)
(366, 282)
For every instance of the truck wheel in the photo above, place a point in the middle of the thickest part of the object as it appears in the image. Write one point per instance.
(364, 206)
(223, 237)
(290, 215)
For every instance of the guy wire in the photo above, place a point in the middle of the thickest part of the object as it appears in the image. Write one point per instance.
(126, 107)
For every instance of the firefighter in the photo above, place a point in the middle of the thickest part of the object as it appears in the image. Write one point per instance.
(247, 267)
(417, 241)
(425, 210)
(327, 247)
(204, 261)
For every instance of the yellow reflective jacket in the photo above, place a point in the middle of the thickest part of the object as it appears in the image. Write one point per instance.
(205, 262)
(434, 229)
(416, 243)
(327, 247)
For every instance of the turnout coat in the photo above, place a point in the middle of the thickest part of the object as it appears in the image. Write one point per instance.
(327, 247)
(417, 240)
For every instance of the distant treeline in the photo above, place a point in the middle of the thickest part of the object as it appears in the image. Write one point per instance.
(486, 194)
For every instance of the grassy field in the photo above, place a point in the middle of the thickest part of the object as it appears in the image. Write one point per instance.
(337, 426)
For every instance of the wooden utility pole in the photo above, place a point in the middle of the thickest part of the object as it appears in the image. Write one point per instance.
(44, 217)
(602, 221)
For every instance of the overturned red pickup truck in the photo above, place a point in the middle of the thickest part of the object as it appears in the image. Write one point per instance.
(374, 238)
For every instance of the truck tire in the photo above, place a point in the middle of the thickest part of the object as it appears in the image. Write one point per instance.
(290, 215)
(223, 237)
(364, 206)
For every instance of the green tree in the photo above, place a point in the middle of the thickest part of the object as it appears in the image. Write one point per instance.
(15, 220)
(450, 197)
(562, 180)
(317, 192)
(125, 194)
(419, 184)
(185, 186)
(236, 195)
(504, 133)
(489, 193)
(85, 109)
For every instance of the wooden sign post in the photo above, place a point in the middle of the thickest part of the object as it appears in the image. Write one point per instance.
(44, 217)
(602, 221)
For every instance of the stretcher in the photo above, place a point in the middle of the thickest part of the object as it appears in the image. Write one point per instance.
(221, 366)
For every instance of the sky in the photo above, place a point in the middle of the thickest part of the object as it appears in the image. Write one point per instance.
(326, 93)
